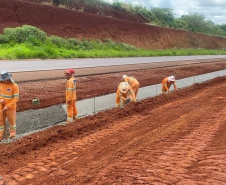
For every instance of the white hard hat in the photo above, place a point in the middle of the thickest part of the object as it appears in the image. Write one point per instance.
(5, 75)
(124, 87)
(171, 78)
(124, 76)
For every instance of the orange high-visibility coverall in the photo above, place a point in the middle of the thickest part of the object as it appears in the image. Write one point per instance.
(71, 99)
(166, 85)
(133, 83)
(9, 93)
(124, 95)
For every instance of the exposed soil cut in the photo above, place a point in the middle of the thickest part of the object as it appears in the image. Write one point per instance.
(80, 25)
(104, 11)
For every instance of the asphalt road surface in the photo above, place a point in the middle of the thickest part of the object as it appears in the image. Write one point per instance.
(25, 70)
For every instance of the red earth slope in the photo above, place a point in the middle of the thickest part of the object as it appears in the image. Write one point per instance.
(76, 24)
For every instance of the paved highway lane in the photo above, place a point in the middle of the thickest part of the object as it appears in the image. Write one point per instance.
(46, 65)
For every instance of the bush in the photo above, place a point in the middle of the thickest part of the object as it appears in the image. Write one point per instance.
(21, 34)
(3, 39)
(86, 45)
(60, 42)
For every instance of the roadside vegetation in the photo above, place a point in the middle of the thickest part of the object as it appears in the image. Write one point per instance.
(28, 42)
(155, 16)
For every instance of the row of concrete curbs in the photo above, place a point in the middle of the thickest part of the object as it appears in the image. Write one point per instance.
(35, 120)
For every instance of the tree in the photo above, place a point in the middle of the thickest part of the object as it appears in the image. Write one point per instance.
(223, 27)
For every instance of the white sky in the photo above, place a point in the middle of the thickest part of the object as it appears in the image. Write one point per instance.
(214, 10)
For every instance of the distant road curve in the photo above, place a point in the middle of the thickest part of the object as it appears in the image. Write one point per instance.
(25, 70)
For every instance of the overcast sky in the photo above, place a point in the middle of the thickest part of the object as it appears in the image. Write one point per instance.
(214, 10)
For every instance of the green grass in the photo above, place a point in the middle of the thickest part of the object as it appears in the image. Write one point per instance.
(28, 42)
(21, 51)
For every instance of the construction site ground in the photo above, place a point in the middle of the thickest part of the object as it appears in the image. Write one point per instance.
(174, 138)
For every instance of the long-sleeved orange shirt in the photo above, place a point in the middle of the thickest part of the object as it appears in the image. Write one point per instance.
(71, 89)
(166, 85)
(10, 94)
(119, 94)
(131, 81)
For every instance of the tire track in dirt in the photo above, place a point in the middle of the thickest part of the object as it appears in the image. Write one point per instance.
(153, 148)
(186, 146)
(66, 154)
(171, 165)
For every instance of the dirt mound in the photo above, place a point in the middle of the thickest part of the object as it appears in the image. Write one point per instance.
(76, 24)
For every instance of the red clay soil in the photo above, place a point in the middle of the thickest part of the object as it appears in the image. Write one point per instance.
(52, 92)
(175, 138)
(108, 11)
(71, 23)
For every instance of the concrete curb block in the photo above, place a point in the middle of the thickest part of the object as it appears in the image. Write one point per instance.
(34, 120)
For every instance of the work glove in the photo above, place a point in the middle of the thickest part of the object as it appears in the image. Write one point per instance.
(5, 108)
(127, 101)
(2, 101)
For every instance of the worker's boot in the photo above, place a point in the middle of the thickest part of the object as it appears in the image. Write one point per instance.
(75, 117)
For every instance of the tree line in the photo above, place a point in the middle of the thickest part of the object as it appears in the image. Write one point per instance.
(164, 17)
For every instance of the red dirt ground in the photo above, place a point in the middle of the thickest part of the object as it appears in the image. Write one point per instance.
(93, 9)
(175, 138)
(52, 92)
(80, 25)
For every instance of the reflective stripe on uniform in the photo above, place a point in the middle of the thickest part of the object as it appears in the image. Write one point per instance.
(2, 127)
(13, 127)
(71, 89)
(9, 96)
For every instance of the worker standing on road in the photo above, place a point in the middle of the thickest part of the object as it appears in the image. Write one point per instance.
(167, 82)
(9, 96)
(123, 90)
(72, 112)
(133, 83)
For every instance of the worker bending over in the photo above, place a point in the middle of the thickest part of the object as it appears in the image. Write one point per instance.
(72, 112)
(167, 82)
(133, 83)
(123, 90)
(9, 96)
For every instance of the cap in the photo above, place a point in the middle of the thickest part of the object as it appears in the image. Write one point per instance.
(69, 71)
(124, 87)
(5, 75)
(171, 78)
(124, 76)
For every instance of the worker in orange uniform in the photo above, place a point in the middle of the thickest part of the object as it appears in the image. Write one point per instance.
(9, 96)
(133, 83)
(72, 112)
(124, 90)
(167, 82)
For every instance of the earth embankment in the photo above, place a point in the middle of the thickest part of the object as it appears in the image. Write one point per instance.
(75, 24)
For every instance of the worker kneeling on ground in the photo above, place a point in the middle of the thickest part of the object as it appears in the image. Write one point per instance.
(9, 96)
(123, 90)
(167, 82)
(133, 83)
(72, 112)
